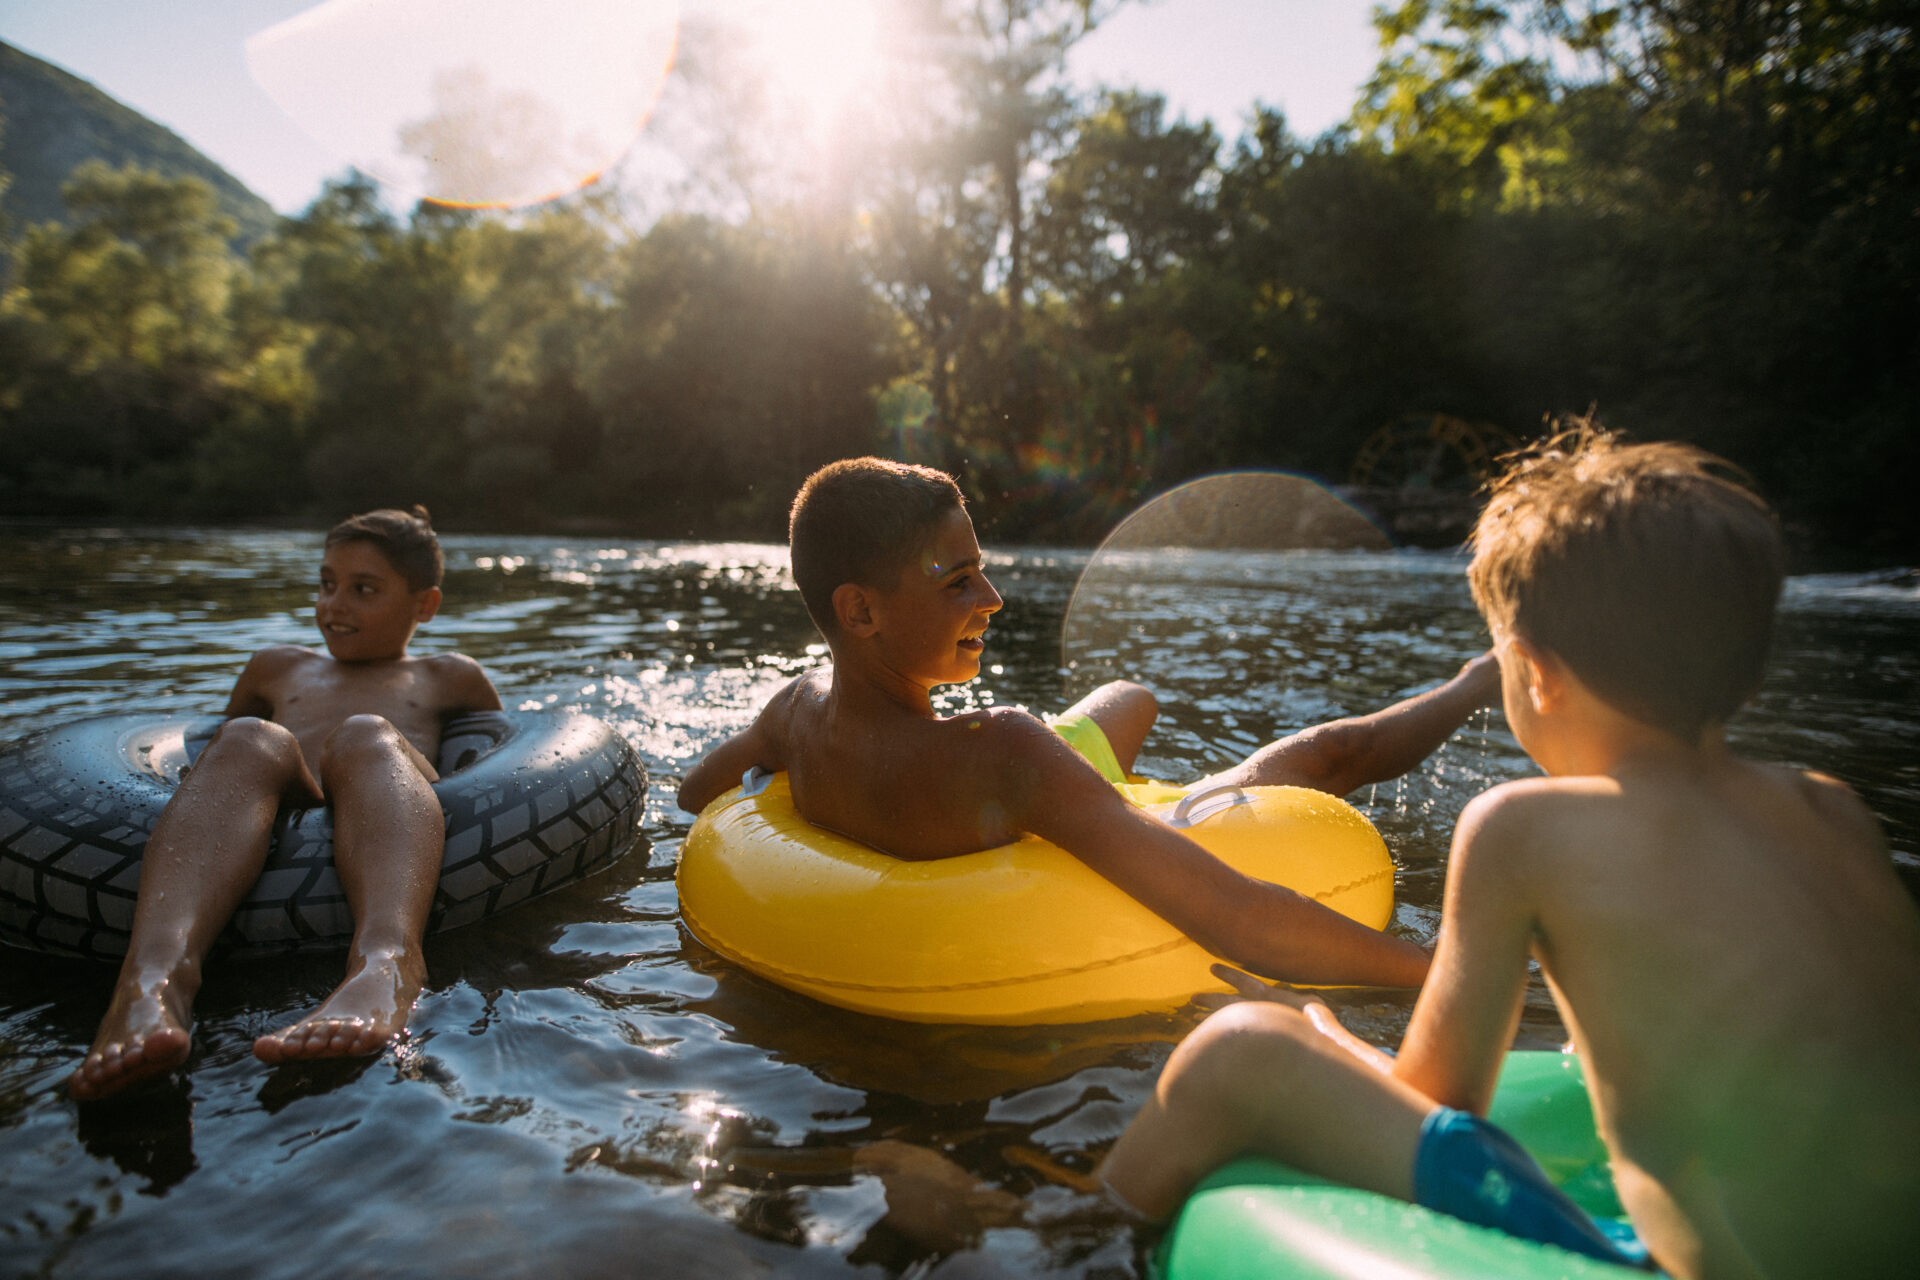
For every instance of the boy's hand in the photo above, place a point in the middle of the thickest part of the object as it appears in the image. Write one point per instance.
(1252, 988)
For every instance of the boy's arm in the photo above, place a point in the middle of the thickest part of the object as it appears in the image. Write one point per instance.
(719, 771)
(1342, 756)
(1465, 1018)
(1261, 927)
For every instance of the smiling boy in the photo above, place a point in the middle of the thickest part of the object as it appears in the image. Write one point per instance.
(887, 563)
(354, 727)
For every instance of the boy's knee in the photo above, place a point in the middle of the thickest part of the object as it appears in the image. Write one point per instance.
(359, 735)
(1130, 693)
(1123, 709)
(1245, 1055)
(249, 736)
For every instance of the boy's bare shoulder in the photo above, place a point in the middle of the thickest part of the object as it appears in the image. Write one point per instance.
(460, 683)
(1511, 811)
(791, 703)
(1531, 830)
(1005, 732)
(1832, 801)
(270, 666)
(451, 667)
(1019, 760)
(789, 721)
(283, 657)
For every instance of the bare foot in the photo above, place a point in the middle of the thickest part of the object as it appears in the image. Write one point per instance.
(143, 1035)
(362, 1015)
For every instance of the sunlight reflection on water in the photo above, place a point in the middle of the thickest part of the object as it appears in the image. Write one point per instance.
(580, 1069)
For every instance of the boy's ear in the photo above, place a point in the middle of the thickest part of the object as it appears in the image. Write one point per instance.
(853, 609)
(425, 604)
(1544, 677)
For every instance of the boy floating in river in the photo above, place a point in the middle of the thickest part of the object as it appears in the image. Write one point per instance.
(886, 561)
(1727, 941)
(354, 727)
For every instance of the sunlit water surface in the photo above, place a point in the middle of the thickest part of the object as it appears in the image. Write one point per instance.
(588, 1091)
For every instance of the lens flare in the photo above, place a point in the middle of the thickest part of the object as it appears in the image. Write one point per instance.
(1249, 510)
(479, 103)
(822, 55)
(1217, 527)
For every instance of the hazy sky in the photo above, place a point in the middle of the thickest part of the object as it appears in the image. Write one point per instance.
(184, 63)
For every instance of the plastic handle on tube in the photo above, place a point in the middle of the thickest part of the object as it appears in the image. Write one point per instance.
(1197, 806)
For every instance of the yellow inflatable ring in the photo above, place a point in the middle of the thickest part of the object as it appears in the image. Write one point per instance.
(1021, 934)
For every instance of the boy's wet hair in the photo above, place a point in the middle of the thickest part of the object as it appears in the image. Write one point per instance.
(1651, 570)
(405, 538)
(861, 520)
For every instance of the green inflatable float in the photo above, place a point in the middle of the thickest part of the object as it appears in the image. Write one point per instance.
(1258, 1219)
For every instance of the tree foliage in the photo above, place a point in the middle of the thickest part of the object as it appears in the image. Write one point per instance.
(1700, 216)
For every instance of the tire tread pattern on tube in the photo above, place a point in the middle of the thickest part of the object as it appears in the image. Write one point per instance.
(533, 801)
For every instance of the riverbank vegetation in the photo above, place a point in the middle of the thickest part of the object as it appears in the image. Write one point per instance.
(1701, 218)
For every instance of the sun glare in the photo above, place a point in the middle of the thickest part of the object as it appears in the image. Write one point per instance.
(471, 102)
(820, 54)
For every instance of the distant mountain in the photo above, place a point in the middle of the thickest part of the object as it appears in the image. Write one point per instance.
(52, 121)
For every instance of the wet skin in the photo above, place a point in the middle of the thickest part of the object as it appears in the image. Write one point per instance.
(860, 737)
(352, 727)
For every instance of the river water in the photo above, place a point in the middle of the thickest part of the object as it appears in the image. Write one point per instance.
(588, 1091)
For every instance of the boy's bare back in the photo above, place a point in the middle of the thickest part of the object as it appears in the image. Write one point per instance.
(1727, 940)
(1740, 969)
(915, 786)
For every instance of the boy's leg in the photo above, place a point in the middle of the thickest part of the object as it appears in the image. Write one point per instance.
(205, 852)
(388, 842)
(1344, 755)
(1124, 711)
(1258, 1078)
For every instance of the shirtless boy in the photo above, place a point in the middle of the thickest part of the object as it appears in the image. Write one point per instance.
(886, 561)
(354, 727)
(1735, 958)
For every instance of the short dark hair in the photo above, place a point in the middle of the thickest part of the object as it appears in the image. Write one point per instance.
(405, 538)
(860, 520)
(1651, 570)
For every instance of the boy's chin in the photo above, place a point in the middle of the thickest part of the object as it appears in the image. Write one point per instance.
(961, 672)
(347, 649)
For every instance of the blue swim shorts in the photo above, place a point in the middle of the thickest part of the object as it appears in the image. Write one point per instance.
(1473, 1170)
(1085, 735)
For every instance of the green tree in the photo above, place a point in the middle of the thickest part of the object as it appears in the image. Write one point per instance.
(742, 358)
(393, 390)
(1128, 202)
(536, 314)
(957, 185)
(128, 363)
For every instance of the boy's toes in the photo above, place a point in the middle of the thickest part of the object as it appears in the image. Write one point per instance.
(321, 1038)
(113, 1067)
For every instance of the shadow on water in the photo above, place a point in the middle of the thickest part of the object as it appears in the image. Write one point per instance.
(148, 1136)
(586, 1090)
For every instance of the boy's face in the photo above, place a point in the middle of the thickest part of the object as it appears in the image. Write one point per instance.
(931, 625)
(365, 609)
